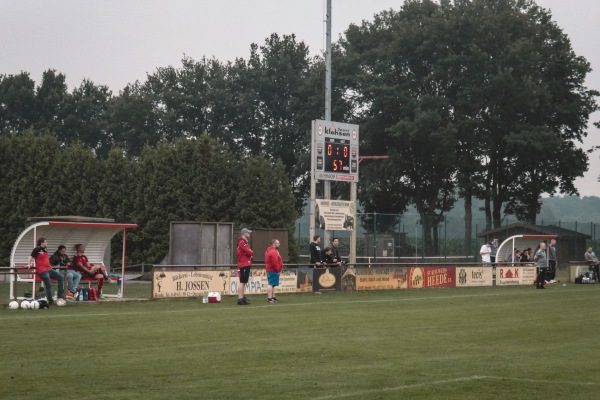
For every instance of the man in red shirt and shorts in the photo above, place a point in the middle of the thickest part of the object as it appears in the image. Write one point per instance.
(244, 255)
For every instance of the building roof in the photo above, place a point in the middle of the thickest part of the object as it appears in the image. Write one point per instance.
(523, 228)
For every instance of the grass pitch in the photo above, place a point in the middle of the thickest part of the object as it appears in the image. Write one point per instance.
(476, 343)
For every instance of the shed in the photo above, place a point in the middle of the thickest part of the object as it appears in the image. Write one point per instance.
(94, 233)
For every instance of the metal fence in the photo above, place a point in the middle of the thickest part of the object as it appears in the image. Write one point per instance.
(401, 236)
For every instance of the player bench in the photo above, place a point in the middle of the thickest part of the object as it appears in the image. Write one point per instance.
(28, 275)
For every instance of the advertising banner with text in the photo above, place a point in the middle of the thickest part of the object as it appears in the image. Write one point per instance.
(508, 276)
(188, 283)
(336, 215)
(431, 277)
(474, 276)
(381, 278)
(258, 282)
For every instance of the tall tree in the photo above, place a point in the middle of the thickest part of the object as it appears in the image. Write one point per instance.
(503, 82)
(134, 123)
(87, 118)
(528, 99)
(51, 97)
(17, 103)
(401, 80)
(266, 106)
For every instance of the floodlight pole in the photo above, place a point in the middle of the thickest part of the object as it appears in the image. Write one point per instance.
(326, 183)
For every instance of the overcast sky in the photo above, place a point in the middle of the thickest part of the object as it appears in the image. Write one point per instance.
(115, 42)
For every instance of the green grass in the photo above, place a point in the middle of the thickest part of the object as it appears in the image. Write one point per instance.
(476, 343)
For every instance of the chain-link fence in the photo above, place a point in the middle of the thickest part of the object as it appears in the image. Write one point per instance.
(405, 236)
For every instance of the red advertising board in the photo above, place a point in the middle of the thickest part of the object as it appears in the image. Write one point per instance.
(431, 277)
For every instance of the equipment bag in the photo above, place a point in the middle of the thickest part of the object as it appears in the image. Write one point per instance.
(93, 295)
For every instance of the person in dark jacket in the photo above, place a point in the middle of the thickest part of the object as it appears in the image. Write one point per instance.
(316, 258)
(60, 258)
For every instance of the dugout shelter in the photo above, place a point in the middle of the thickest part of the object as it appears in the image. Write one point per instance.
(95, 233)
(520, 242)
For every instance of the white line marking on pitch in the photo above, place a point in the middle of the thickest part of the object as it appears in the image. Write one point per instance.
(361, 393)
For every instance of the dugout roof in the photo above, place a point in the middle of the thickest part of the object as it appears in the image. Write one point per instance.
(95, 233)
(520, 242)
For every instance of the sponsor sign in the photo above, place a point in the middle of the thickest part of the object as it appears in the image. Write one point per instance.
(188, 283)
(335, 215)
(381, 278)
(474, 276)
(348, 279)
(431, 277)
(304, 282)
(507, 275)
(258, 282)
(327, 279)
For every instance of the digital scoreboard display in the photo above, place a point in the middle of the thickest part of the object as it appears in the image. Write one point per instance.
(335, 151)
(337, 156)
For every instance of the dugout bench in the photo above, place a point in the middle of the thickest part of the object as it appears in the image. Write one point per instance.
(95, 233)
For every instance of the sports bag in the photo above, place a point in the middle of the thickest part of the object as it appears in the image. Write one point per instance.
(93, 294)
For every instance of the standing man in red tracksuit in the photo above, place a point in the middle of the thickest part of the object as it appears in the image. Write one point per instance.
(244, 255)
(273, 265)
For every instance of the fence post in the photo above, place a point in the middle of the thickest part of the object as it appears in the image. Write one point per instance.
(375, 236)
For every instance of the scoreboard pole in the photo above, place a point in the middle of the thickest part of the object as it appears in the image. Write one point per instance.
(313, 163)
(313, 184)
(327, 184)
(352, 256)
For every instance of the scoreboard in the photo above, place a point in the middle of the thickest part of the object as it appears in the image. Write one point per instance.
(335, 151)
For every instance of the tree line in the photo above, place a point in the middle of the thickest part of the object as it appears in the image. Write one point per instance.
(187, 180)
(471, 99)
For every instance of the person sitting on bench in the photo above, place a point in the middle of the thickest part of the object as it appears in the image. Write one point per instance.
(60, 258)
(89, 270)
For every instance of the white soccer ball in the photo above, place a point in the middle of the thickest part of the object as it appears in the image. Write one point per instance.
(34, 305)
(61, 302)
(25, 305)
(13, 305)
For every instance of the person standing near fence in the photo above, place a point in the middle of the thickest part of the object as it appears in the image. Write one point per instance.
(316, 257)
(592, 260)
(540, 259)
(244, 256)
(44, 270)
(273, 265)
(552, 263)
(493, 251)
(335, 252)
(485, 252)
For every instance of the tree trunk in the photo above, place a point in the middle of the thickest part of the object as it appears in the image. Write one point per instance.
(468, 224)
(427, 238)
(436, 237)
(487, 200)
